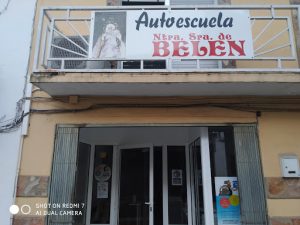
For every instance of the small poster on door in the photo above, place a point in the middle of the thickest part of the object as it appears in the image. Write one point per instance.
(102, 190)
(102, 172)
(227, 200)
(176, 177)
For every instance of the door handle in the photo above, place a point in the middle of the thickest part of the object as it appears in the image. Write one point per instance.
(150, 205)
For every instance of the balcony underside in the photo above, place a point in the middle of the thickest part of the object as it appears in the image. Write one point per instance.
(169, 84)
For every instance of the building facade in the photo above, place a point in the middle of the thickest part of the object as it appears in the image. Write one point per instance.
(16, 22)
(195, 133)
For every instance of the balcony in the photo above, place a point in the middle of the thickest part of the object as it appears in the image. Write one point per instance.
(64, 63)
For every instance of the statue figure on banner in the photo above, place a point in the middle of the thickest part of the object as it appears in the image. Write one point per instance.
(109, 44)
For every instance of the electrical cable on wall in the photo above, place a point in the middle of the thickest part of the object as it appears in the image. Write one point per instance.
(13, 124)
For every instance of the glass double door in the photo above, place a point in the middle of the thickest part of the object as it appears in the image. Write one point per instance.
(154, 186)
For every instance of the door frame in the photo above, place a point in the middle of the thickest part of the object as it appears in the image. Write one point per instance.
(206, 181)
(90, 186)
(166, 184)
(115, 190)
(116, 195)
(206, 177)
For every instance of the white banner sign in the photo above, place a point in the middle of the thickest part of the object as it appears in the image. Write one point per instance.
(162, 34)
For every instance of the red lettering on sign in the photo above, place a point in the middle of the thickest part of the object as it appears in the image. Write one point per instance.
(216, 45)
(239, 49)
(202, 51)
(180, 45)
(197, 48)
(161, 46)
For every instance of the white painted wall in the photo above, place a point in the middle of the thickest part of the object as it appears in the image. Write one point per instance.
(15, 38)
